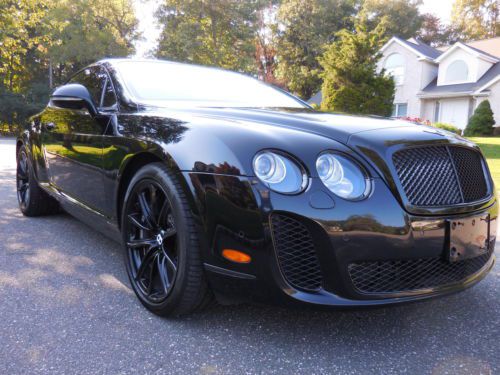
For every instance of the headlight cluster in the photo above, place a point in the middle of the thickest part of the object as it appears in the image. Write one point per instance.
(341, 175)
(279, 172)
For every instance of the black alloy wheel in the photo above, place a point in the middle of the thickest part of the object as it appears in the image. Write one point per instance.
(32, 199)
(151, 241)
(162, 251)
(23, 180)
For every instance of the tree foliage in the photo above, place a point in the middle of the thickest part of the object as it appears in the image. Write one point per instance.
(402, 17)
(481, 122)
(216, 32)
(476, 19)
(434, 33)
(65, 35)
(89, 30)
(304, 28)
(351, 82)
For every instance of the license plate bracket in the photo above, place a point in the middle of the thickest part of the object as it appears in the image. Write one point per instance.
(468, 237)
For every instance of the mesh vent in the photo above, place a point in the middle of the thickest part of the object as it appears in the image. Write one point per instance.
(411, 274)
(296, 254)
(470, 173)
(440, 175)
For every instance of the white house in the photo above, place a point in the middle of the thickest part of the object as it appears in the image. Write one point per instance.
(444, 84)
(441, 84)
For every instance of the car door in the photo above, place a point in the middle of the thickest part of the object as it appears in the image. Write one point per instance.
(72, 142)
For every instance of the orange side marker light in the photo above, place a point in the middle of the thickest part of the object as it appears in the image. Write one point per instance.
(236, 256)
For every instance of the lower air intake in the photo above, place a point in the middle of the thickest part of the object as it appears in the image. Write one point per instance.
(295, 252)
(394, 276)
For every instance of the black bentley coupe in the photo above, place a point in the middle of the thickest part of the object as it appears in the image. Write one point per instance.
(219, 185)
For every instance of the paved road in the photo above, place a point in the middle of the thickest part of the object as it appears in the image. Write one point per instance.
(66, 307)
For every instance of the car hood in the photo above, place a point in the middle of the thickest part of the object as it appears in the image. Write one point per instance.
(339, 127)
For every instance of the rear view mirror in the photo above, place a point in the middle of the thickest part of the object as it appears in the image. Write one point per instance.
(73, 96)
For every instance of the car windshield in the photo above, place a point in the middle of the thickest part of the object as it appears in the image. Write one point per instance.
(182, 84)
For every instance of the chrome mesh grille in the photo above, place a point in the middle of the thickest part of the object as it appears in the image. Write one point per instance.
(440, 175)
(296, 253)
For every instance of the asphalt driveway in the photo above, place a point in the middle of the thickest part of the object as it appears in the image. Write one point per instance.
(66, 307)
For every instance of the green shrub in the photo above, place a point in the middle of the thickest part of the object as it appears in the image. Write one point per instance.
(481, 122)
(449, 127)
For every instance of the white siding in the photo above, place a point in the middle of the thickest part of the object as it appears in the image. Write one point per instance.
(418, 74)
(429, 73)
(476, 66)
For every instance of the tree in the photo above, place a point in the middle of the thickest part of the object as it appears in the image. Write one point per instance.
(89, 30)
(22, 41)
(434, 32)
(476, 19)
(351, 81)
(62, 34)
(265, 44)
(481, 122)
(216, 32)
(402, 16)
(304, 28)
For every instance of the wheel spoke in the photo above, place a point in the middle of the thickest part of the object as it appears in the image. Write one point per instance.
(165, 208)
(22, 170)
(23, 187)
(146, 262)
(153, 200)
(24, 164)
(151, 242)
(149, 288)
(137, 223)
(21, 174)
(170, 263)
(146, 210)
(160, 263)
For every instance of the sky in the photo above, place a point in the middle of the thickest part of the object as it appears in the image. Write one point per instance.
(440, 8)
(145, 12)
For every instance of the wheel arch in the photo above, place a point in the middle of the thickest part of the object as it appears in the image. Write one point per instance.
(134, 163)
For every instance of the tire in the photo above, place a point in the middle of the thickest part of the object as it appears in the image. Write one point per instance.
(32, 199)
(162, 252)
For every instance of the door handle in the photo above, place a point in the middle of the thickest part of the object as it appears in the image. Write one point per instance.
(50, 126)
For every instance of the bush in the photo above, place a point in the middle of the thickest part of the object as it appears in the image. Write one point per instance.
(481, 122)
(414, 120)
(449, 127)
(496, 131)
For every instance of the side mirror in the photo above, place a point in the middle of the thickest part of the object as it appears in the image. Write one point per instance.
(74, 96)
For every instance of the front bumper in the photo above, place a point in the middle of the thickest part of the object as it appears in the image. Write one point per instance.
(239, 213)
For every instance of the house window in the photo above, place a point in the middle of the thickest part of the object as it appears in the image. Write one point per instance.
(400, 110)
(395, 67)
(457, 71)
(437, 109)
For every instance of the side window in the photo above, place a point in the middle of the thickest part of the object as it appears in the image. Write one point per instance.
(108, 96)
(94, 79)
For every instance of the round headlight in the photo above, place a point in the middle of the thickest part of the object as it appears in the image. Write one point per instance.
(279, 172)
(342, 176)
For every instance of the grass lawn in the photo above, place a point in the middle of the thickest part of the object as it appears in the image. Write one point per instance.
(491, 149)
